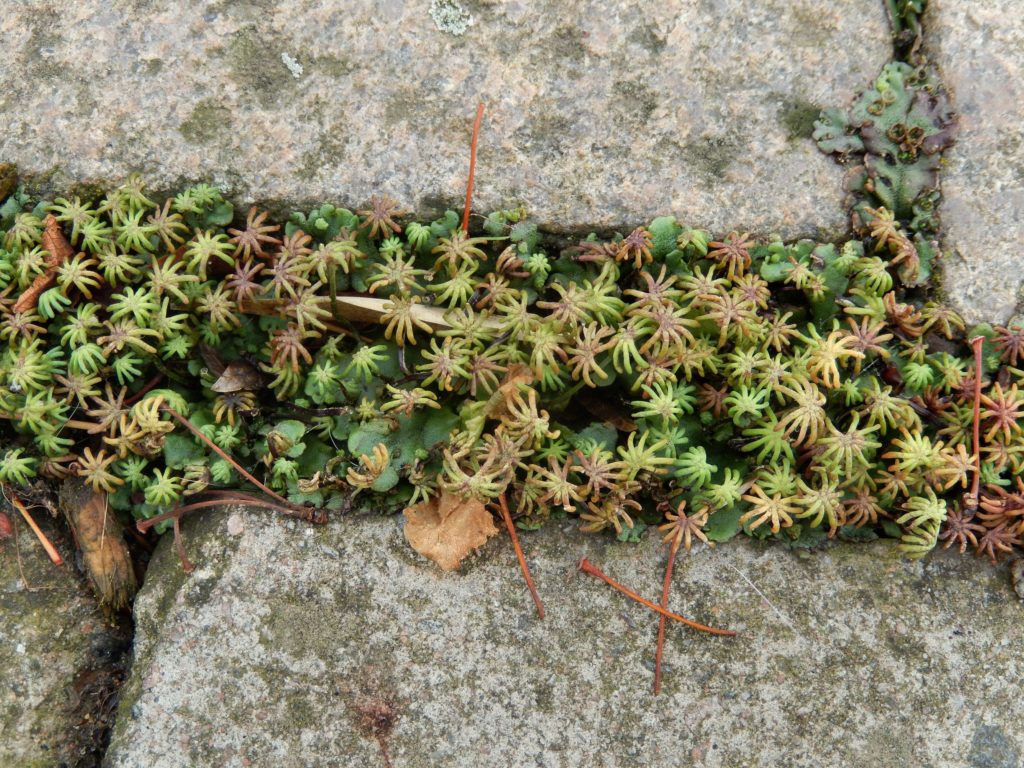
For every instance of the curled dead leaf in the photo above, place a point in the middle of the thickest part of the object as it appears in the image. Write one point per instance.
(98, 533)
(58, 251)
(54, 242)
(238, 376)
(213, 362)
(448, 528)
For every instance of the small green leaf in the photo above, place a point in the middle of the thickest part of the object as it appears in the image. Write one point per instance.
(891, 530)
(724, 524)
(664, 231)
(634, 534)
(180, 450)
(831, 133)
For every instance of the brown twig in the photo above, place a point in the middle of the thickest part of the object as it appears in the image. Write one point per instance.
(144, 525)
(179, 547)
(662, 620)
(472, 165)
(503, 505)
(302, 512)
(273, 308)
(51, 550)
(309, 514)
(976, 343)
(145, 389)
(592, 570)
(59, 250)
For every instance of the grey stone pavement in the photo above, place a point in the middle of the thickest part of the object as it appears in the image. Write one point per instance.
(598, 115)
(52, 640)
(849, 656)
(979, 48)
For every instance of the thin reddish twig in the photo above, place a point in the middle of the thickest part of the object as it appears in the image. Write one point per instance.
(589, 568)
(503, 505)
(472, 165)
(179, 547)
(145, 389)
(51, 550)
(314, 515)
(241, 470)
(662, 620)
(977, 342)
(176, 513)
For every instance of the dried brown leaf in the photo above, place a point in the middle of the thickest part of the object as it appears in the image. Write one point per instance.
(497, 404)
(213, 362)
(238, 376)
(448, 528)
(100, 539)
(54, 242)
(59, 251)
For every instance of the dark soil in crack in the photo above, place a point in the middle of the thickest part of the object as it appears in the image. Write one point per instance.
(95, 690)
(95, 694)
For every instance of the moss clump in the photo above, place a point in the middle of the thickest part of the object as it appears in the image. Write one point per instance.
(207, 122)
(798, 118)
(797, 390)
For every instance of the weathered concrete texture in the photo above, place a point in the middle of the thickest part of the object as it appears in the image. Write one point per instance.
(598, 114)
(847, 656)
(51, 635)
(979, 48)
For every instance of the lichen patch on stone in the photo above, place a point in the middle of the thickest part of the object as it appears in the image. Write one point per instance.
(450, 17)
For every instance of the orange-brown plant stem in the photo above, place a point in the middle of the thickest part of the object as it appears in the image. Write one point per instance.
(472, 165)
(145, 389)
(308, 514)
(144, 525)
(589, 568)
(661, 619)
(977, 342)
(51, 550)
(519, 554)
(241, 470)
(179, 547)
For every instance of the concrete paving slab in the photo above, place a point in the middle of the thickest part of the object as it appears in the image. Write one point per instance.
(276, 647)
(599, 115)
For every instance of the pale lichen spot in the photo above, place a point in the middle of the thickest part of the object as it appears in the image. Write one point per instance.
(449, 16)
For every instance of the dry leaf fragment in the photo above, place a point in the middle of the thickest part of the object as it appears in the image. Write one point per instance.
(238, 376)
(448, 528)
(100, 539)
(497, 404)
(59, 251)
